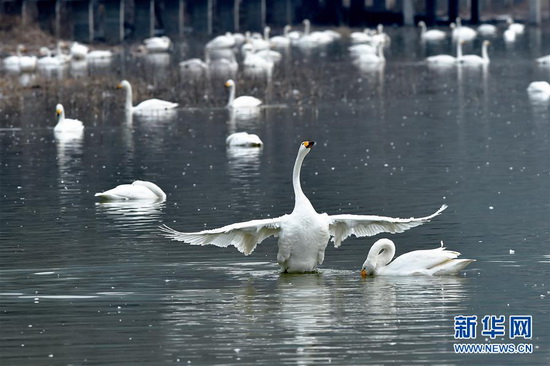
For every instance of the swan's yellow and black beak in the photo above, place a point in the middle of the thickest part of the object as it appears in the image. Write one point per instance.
(58, 112)
(364, 273)
(119, 86)
(308, 144)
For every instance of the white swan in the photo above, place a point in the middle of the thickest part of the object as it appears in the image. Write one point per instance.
(145, 106)
(303, 234)
(222, 41)
(281, 41)
(487, 29)
(26, 63)
(194, 68)
(314, 39)
(380, 37)
(243, 101)
(254, 64)
(432, 34)
(268, 54)
(49, 61)
(12, 62)
(509, 35)
(517, 28)
(66, 125)
(446, 60)
(361, 37)
(360, 49)
(99, 55)
(20, 62)
(296, 35)
(157, 44)
(244, 139)
(474, 60)
(369, 58)
(539, 90)
(462, 33)
(138, 190)
(432, 262)
(79, 51)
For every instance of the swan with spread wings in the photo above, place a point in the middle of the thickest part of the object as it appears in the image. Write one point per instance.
(303, 234)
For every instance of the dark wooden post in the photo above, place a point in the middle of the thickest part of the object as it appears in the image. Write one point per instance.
(173, 15)
(356, 13)
(535, 16)
(83, 21)
(475, 12)
(226, 16)
(114, 20)
(255, 11)
(201, 15)
(144, 18)
(279, 13)
(453, 10)
(408, 12)
(431, 12)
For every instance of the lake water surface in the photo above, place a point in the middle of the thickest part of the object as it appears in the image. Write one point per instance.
(83, 282)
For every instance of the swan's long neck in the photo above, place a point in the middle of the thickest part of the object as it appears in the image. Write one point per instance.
(128, 104)
(380, 254)
(484, 53)
(307, 27)
(458, 22)
(286, 30)
(59, 52)
(231, 95)
(381, 52)
(422, 28)
(61, 116)
(266, 33)
(299, 195)
(458, 49)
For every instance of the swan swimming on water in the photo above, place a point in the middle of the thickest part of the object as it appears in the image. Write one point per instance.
(66, 125)
(243, 139)
(446, 60)
(138, 190)
(432, 34)
(475, 60)
(539, 90)
(303, 234)
(243, 101)
(432, 262)
(145, 106)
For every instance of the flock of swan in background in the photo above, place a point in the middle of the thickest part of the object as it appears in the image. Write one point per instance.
(303, 234)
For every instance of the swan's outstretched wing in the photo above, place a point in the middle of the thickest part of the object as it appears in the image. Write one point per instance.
(243, 235)
(342, 226)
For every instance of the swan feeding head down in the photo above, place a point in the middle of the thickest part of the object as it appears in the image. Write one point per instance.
(303, 234)
(138, 190)
(432, 262)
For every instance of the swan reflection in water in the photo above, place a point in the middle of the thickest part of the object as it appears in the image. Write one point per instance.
(404, 308)
(306, 315)
(69, 163)
(137, 215)
(306, 318)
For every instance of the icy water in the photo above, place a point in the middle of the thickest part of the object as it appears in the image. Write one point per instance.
(88, 283)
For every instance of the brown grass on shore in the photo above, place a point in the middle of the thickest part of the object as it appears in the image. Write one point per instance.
(13, 33)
